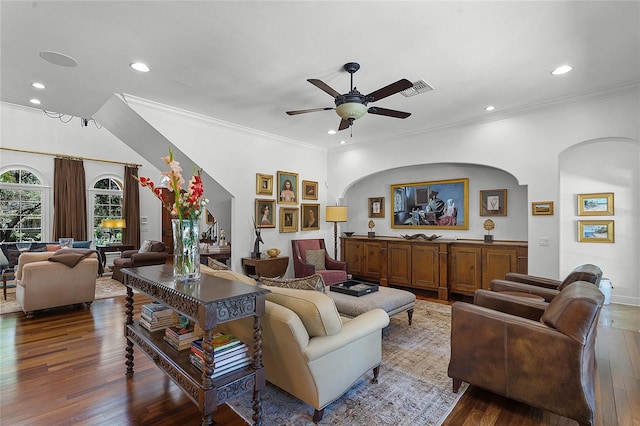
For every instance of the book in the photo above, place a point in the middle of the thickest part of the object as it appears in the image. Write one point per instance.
(179, 344)
(220, 356)
(179, 332)
(153, 326)
(221, 345)
(220, 361)
(196, 361)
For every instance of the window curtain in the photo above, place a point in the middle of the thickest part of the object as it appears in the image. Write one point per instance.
(69, 200)
(131, 206)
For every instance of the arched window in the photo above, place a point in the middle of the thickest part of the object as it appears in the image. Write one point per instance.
(107, 204)
(21, 206)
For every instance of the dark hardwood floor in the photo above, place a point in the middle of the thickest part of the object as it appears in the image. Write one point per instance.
(66, 367)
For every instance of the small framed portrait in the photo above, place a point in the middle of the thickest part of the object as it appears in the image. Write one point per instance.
(287, 188)
(376, 207)
(309, 190)
(542, 208)
(493, 202)
(210, 219)
(264, 184)
(310, 217)
(289, 219)
(265, 213)
(595, 231)
(595, 204)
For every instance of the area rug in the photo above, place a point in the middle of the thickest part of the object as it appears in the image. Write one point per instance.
(413, 388)
(106, 287)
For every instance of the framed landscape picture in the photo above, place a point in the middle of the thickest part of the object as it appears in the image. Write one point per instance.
(310, 217)
(595, 231)
(493, 202)
(542, 208)
(595, 204)
(265, 211)
(309, 190)
(289, 219)
(440, 204)
(287, 188)
(264, 184)
(376, 207)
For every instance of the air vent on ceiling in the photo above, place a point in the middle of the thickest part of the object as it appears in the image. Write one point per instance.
(418, 87)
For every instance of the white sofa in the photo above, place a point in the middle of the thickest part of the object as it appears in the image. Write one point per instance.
(308, 349)
(43, 284)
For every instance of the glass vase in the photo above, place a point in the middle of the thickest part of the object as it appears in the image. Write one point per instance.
(186, 256)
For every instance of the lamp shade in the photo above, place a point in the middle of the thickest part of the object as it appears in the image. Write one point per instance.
(336, 214)
(106, 223)
(113, 223)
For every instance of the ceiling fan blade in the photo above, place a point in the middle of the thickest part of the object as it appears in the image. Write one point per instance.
(304, 111)
(389, 90)
(344, 124)
(324, 87)
(388, 112)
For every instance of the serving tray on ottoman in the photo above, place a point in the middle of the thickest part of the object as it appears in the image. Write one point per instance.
(354, 288)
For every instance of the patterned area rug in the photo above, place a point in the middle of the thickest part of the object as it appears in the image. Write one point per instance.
(413, 387)
(105, 288)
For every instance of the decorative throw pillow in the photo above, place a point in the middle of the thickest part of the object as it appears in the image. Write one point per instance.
(312, 282)
(145, 246)
(218, 266)
(81, 244)
(316, 258)
(53, 247)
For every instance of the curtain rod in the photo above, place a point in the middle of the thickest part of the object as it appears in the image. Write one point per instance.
(72, 157)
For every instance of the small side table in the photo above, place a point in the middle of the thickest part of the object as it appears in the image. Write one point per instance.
(7, 274)
(102, 250)
(269, 267)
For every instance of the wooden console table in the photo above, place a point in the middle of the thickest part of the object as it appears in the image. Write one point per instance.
(110, 248)
(269, 267)
(208, 302)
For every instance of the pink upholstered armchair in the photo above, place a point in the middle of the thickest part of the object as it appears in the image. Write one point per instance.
(311, 257)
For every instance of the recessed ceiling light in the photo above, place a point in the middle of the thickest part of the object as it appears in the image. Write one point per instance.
(332, 132)
(343, 142)
(490, 108)
(139, 66)
(562, 69)
(35, 101)
(37, 85)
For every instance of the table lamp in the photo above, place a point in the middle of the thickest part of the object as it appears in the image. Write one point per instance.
(336, 214)
(113, 224)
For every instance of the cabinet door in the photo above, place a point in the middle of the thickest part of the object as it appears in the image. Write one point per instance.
(353, 256)
(466, 269)
(426, 268)
(399, 263)
(374, 260)
(496, 262)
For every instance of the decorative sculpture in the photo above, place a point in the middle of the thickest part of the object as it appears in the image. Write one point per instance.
(256, 244)
(420, 236)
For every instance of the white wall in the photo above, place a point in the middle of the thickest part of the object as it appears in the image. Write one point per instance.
(30, 129)
(526, 146)
(604, 166)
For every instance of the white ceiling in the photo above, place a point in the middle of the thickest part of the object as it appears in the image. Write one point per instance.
(246, 62)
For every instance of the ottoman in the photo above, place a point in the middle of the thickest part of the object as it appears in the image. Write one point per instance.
(392, 300)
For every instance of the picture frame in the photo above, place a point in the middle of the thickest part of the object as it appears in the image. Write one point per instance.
(596, 231)
(264, 184)
(209, 217)
(289, 219)
(310, 217)
(542, 208)
(265, 213)
(438, 204)
(599, 204)
(376, 207)
(309, 190)
(493, 202)
(287, 187)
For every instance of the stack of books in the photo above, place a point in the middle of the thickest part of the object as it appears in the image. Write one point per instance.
(155, 316)
(229, 354)
(180, 338)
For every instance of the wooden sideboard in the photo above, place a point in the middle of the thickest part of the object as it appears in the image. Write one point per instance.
(445, 266)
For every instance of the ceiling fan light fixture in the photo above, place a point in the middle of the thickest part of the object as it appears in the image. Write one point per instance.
(351, 110)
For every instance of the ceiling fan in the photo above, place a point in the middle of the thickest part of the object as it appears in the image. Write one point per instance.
(353, 105)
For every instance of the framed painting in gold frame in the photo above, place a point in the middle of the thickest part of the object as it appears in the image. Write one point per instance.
(376, 207)
(596, 231)
(264, 184)
(289, 219)
(309, 190)
(310, 217)
(265, 213)
(439, 204)
(287, 187)
(542, 208)
(493, 202)
(600, 204)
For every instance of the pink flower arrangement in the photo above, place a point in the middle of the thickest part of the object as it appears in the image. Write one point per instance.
(188, 204)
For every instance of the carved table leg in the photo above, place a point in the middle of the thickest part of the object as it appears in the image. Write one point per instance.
(257, 364)
(129, 321)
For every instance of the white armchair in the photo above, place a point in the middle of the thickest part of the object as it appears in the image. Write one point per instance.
(43, 284)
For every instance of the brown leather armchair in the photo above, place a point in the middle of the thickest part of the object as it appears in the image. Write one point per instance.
(156, 255)
(546, 287)
(332, 271)
(497, 344)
